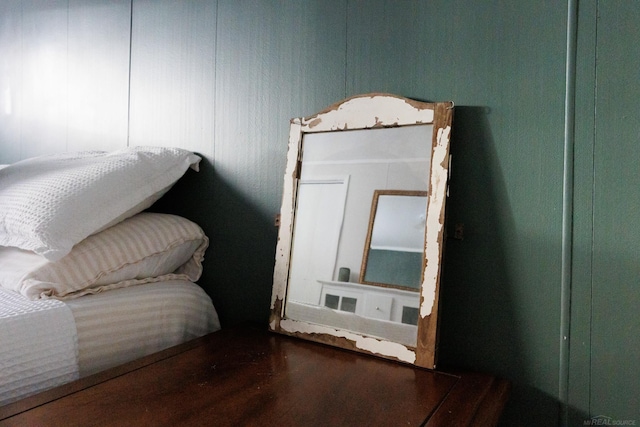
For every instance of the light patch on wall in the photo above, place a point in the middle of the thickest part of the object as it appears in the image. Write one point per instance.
(82, 91)
(8, 105)
(49, 73)
(63, 88)
(44, 92)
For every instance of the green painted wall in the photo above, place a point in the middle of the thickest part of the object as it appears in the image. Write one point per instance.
(224, 77)
(605, 370)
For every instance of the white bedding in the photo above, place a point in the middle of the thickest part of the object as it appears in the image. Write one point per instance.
(121, 325)
(72, 229)
(38, 347)
(95, 332)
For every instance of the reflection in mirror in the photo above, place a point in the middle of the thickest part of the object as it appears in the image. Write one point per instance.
(393, 252)
(356, 171)
(341, 173)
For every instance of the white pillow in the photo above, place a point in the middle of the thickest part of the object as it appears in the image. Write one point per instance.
(50, 203)
(148, 247)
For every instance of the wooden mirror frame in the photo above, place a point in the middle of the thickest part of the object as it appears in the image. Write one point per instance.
(370, 111)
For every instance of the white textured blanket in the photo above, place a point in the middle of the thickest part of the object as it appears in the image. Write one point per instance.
(38, 346)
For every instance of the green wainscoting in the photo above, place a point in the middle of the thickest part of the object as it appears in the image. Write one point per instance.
(615, 279)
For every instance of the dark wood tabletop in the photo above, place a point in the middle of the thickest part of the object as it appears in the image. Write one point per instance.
(249, 376)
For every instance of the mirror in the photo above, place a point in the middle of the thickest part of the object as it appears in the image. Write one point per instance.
(367, 173)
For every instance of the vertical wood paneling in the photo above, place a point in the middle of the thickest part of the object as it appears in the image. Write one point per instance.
(615, 371)
(44, 77)
(172, 103)
(394, 47)
(581, 300)
(10, 79)
(173, 74)
(275, 60)
(98, 74)
(508, 181)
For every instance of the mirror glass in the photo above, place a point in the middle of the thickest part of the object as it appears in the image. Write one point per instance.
(354, 241)
(340, 175)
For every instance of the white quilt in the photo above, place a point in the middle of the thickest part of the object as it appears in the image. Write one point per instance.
(32, 357)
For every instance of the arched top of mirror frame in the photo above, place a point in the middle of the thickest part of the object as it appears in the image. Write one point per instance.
(370, 111)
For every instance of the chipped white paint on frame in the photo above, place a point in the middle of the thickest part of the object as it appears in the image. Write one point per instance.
(435, 220)
(368, 344)
(364, 112)
(281, 270)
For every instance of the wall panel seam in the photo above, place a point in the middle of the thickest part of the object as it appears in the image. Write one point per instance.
(567, 209)
(593, 198)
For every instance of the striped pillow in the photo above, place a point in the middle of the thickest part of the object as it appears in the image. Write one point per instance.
(148, 247)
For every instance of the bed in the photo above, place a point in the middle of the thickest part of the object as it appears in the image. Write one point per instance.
(89, 279)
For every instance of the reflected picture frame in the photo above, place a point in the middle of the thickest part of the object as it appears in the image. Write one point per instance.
(365, 276)
(371, 111)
